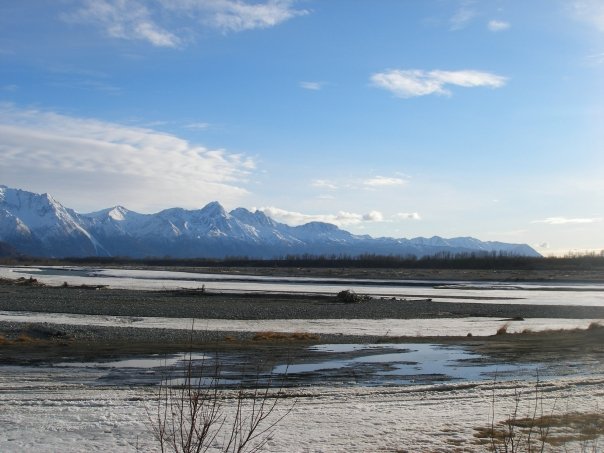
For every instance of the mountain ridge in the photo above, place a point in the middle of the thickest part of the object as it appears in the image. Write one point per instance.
(38, 225)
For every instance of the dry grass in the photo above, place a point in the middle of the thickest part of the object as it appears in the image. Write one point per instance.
(560, 429)
(22, 338)
(282, 336)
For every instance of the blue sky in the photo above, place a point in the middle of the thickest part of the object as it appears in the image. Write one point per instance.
(392, 118)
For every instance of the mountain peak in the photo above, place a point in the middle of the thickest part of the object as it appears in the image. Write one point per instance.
(38, 225)
(256, 218)
(214, 209)
(118, 213)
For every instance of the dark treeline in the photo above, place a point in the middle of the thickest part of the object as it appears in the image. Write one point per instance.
(482, 261)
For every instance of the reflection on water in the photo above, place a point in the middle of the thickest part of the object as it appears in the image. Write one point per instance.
(152, 361)
(409, 363)
(328, 364)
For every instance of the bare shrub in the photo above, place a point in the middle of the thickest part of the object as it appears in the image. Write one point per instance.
(539, 431)
(516, 433)
(197, 415)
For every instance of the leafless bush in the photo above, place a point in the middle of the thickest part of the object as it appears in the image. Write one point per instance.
(538, 431)
(196, 415)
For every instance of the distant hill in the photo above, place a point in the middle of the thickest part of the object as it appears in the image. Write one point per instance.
(38, 225)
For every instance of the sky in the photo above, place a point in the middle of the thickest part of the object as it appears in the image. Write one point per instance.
(398, 118)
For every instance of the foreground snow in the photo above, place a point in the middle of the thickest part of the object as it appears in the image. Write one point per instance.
(42, 413)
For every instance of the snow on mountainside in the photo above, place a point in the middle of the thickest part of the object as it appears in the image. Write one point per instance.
(38, 225)
(42, 226)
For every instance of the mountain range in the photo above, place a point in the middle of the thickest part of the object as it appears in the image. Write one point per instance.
(38, 225)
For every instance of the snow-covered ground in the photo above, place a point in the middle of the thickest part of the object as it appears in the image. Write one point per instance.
(467, 292)
(42, 413)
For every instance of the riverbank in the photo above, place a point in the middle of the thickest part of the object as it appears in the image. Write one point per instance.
(34, 340)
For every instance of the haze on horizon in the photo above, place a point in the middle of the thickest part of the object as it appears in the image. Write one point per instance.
(404, 119)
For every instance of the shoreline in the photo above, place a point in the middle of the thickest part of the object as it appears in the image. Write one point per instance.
(36, 342)
(579, 276)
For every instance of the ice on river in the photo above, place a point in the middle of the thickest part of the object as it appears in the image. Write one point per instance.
(468, 292)
(477, 326)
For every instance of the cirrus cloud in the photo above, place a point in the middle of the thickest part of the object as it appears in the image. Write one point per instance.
(498, 25)
(312, 86)
(125, 19)
(407, 83)
(110, 163)
(237, 15)
(589, 11)
(463, 16)
(139, 20)
(384, 181)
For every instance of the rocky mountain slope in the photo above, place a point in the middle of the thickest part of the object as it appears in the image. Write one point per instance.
(38, 225)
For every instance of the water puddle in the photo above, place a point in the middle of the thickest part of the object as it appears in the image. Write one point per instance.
(152, 361)
(400, 364)
(326, 364)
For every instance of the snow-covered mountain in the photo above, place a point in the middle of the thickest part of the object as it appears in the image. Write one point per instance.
(38, 225)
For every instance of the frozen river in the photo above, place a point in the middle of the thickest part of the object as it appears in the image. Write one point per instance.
(451, 291)
(348, 397)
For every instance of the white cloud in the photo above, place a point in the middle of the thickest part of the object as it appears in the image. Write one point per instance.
(597, 58)
(125, 19)
(324, 184)
(373, 216)
(414, 82)
(198, 126)
(374, 182)
(565, 221)
(237, 15)
(498, 25)
(312, 86)
(463, 16)
(384, 181)
(590, 11)
(110, 163)
(407, 216)
(139, 20)
(342, 218)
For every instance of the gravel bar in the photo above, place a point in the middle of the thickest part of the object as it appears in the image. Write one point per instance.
(176, 304)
